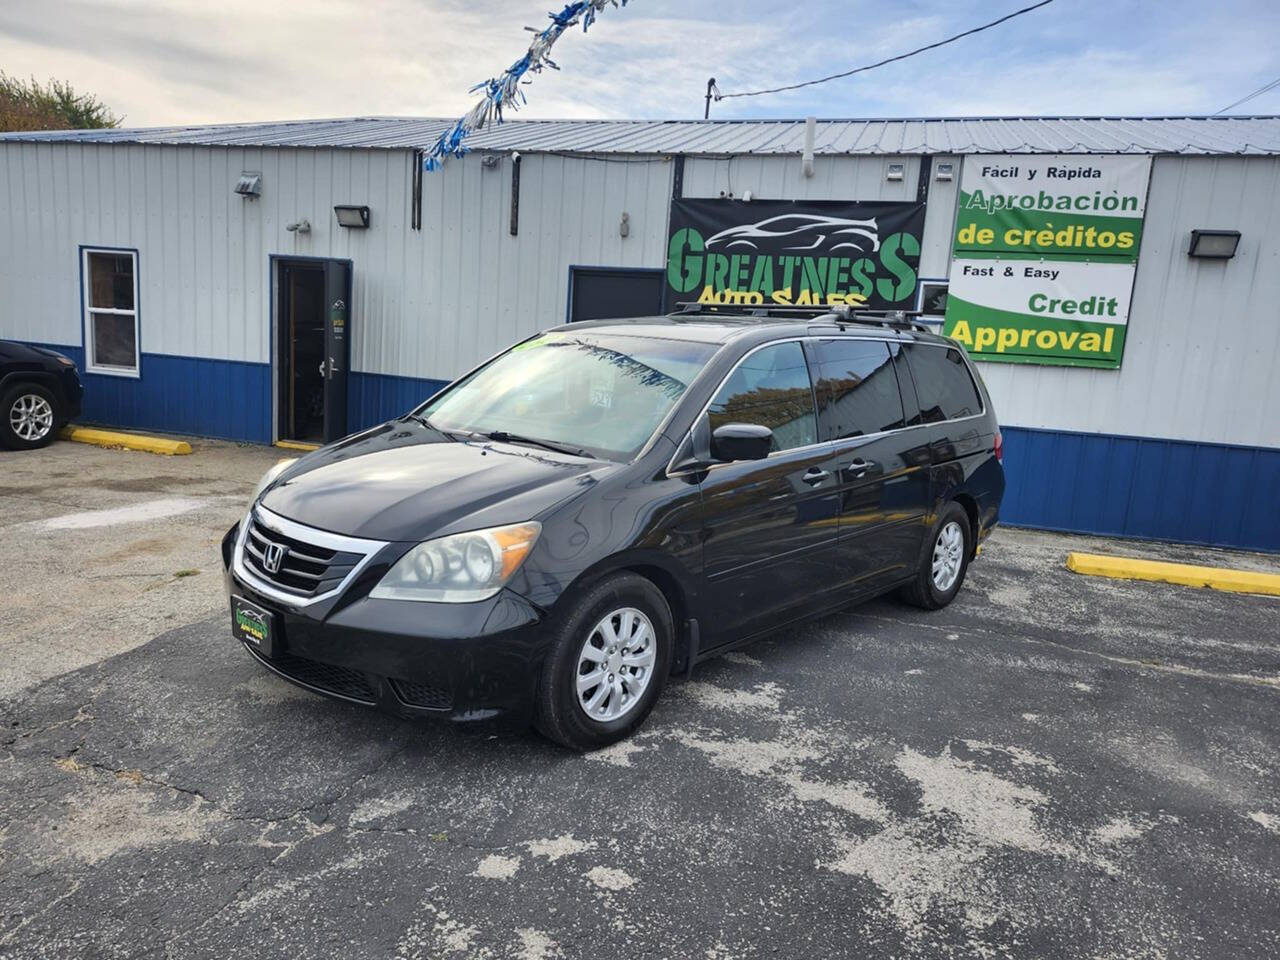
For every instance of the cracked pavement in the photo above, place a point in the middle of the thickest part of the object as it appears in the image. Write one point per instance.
(1054, 766)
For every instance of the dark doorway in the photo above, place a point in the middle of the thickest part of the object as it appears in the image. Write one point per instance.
(312, 349)
(601, 293)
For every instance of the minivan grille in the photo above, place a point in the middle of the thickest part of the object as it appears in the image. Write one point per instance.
(305, 570)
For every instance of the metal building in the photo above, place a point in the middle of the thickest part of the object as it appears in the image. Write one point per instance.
(194, 273)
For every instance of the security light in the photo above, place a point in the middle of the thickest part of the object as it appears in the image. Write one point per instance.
(944, 171)
(1214, 244)
(895, 171)
(355, 217)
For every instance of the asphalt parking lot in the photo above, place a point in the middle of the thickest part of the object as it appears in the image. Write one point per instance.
(1054, 766)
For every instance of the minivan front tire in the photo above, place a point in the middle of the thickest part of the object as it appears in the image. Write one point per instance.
(607, 664)
(944, 561)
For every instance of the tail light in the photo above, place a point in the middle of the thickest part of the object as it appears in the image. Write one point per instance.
(999, 447)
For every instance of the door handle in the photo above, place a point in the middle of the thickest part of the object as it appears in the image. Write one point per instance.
(859, 467)
(322, 369)
(814, 476)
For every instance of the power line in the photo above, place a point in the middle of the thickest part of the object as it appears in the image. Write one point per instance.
(1257, 93)
(902, 56)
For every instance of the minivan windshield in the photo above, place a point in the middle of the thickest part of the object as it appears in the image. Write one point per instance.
(602, 393)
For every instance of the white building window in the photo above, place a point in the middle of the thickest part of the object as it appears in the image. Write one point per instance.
(111, 312)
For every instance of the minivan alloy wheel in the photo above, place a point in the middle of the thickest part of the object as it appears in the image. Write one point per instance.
(31, 417)
(615, 664)
(948, 556)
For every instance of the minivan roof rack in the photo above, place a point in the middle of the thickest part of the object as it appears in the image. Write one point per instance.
(817, 316)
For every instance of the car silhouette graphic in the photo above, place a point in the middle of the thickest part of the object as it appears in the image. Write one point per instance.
(802, 232)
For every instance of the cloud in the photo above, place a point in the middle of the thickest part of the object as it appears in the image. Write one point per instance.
(186, 61)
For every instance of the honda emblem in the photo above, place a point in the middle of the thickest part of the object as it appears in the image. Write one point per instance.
(273, 556)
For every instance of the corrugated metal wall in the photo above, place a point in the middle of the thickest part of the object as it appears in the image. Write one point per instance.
(203, 251)
(427, 304)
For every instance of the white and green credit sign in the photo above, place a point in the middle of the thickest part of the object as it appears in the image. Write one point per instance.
(1043, 257)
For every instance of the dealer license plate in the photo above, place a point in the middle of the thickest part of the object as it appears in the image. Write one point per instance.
(253, 625)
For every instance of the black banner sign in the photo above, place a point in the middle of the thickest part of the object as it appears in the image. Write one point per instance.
(794, 252)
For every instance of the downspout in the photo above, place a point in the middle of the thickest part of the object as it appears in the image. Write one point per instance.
(810, 128)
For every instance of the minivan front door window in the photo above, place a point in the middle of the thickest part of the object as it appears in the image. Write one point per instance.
(770, 388)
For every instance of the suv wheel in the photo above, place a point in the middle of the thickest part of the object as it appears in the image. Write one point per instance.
(29, 415)
(944, 563)
(607, 664)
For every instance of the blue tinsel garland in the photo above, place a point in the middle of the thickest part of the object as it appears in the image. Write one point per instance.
(504, 91)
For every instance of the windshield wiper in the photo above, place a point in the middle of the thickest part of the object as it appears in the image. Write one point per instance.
(502, 436)
(451, 434)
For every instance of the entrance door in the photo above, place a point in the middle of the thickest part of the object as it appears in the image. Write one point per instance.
(312, 349)
(605, 293)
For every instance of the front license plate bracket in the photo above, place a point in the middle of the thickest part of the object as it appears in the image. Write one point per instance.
(255, 626)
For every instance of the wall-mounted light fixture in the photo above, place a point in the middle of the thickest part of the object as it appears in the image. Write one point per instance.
(895, 172)
(1214, 244)
(299, 226)
(490, 161)
(249, 185)
(357, 218)
(944, 171)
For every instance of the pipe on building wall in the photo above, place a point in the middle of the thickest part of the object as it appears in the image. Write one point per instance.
(810, 131)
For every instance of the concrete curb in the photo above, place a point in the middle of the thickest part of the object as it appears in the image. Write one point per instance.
(1216, 578)
(129, 441)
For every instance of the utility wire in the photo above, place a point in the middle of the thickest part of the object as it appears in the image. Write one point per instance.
(902, 56)
(1257, 93)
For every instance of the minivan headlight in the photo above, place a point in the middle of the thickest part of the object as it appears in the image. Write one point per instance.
(269, 476)
(461, 568)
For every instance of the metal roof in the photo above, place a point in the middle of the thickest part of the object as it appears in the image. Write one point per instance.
(1258, 135)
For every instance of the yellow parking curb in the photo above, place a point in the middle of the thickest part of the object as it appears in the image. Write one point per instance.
(296, 445)
(1216, 578)
(129, 441)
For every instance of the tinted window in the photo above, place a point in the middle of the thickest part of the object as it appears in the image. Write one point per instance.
(604, 392)
(857, 388)
(771, 388)
(943, 384)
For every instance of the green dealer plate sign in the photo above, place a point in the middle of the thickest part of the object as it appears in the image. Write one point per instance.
(1043, 257)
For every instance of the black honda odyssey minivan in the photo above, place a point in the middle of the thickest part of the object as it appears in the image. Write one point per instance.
(605, 504)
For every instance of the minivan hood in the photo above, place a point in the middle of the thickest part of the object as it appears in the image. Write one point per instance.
(404, 481)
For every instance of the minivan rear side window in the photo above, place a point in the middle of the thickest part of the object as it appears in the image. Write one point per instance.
(944, 385)
(771, 388)
(857, 388)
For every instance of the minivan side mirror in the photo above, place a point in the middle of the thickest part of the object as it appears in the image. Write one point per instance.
(741, 441)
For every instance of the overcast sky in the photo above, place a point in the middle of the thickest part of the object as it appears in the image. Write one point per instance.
(192, 61)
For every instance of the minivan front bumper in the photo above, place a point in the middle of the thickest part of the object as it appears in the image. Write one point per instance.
(461, 661)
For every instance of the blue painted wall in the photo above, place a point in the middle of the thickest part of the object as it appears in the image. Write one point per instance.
(375, 397)
(228, 399)
(1146, 488)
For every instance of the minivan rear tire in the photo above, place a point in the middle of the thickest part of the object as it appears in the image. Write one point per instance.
(924, 591)
(560, 713)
